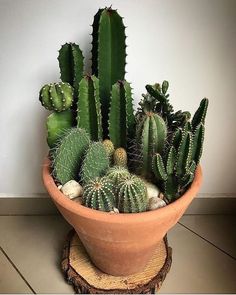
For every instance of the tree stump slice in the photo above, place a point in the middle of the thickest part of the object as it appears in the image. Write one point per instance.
(88, 279)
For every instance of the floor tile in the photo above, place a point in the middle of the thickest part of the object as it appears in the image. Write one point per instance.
(198, 267)
(10, 280)
(34, 244)
(218, 229)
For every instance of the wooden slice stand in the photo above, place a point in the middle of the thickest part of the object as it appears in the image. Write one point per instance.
(87, 279)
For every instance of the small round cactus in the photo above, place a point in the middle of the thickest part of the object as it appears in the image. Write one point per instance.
(109, 146)
(120, 157)
(131, 195)
(117, 173)
(98, 194)
(56, 96)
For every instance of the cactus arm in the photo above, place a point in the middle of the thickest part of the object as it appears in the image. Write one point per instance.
(65, 64)
(171, 159)
(57, 123)
(188, 177)
(161, 133)
(78, 65)
(171, 188)
(198, 139)
(184, 153)
(130, 118)
(176, 138)
(165, 86)
(89, 108)
(159, 168)
(145, 146)
(200, 114)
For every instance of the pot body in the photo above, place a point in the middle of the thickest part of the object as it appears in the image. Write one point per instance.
(120, 244)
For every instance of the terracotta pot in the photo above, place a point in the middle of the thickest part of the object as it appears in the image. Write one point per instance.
(120, 244)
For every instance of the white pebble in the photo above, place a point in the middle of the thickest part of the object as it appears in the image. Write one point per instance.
(115, 210)
(59, 187)
(152, 190)
(155, 203)
(72, 189)
(78, 200)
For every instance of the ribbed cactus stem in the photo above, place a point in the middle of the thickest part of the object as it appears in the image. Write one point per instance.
(200, 114)
(109, 147)
(71, 64)
(98, 194)
(108, 54)
(121, 116)
(117, 173)
(120, 157)
(56, 97)
(89, 108)
(131, 195)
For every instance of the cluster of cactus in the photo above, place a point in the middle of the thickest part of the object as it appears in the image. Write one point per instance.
(94, 136)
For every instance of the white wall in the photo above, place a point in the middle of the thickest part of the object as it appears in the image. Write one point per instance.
(192, 43)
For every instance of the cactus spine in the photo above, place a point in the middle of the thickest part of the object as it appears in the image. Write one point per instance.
(89, 107)
(67, 156)
(120, 157)
(98, 194)
(57, 124)
(121, 116)
(95, 163)
(108, 55)
(71, 64)
(117, 173)
(56, 97)
(131, 195)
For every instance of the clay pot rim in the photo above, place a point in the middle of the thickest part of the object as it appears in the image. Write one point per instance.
(121, 218)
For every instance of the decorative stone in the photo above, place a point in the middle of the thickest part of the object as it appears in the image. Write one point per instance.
(78, 200)
(115, 210)
(72, 189)
(155, 203)
(152, 190)
(59, 187)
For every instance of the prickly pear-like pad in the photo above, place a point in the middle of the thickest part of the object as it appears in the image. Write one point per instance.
(87, 279)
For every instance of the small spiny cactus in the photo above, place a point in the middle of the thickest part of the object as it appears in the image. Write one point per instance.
(131, 195)
(98, 194)
(109, 147)
(117, 173)
(56, 97)
(120, 157)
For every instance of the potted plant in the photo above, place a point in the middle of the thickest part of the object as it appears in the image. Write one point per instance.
(132, 174)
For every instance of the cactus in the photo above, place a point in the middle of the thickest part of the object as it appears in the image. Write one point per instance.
(57, 124)
(109, 147)
(71, 64)
(108, 55)
(98, 194)
(68, 155)
(131, 195)
(121, 116)
(89, 107)
(56, 97)
(120, 157)
(95, 163)
(117, 173)
(176, 169)
(150, 137)
(200, 114)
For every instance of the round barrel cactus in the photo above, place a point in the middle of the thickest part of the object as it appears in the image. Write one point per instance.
(56, 97)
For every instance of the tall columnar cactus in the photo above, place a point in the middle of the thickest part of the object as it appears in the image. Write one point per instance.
(96, 162)
(89, 108)
(56, 97)
(57, 124)
(131, 195)
(176, 169)
(98, 194)
(108, 54)
(117, 173)
(68, 155)
(71, 64)
(200, 114)
(121, 116)
(150, 136)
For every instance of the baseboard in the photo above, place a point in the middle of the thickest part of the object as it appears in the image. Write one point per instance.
(41, 204)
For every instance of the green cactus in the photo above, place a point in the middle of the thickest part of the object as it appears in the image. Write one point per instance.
(108, 55)
(57, 124)
(98, 194)
(71, 64)
(200, 114)
(175, 170)
(96, 162)
(150, 138)
(121, 116)
(56, 97)
(120, 157)
(89, 107)
(117, 173)
(109, 147)
(68, 155)
(131, 195)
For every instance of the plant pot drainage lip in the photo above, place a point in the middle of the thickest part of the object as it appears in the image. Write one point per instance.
(122, 218)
